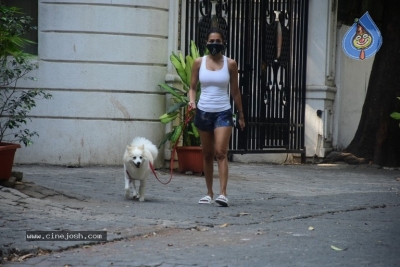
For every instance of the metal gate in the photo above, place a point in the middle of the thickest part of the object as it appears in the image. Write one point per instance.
(268, 40)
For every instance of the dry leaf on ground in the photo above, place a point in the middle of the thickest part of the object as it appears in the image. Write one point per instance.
(338, 249)
(24, 257)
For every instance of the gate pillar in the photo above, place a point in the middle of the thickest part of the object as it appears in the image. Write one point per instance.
(320, 90)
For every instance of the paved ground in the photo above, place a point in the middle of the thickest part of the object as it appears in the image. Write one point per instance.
(280, 215)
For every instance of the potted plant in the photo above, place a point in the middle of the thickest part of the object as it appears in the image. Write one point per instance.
(184, 137)
(15, 104)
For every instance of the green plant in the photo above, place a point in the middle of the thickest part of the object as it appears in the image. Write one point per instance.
(15, 104)
(395, 115)
(179, 113)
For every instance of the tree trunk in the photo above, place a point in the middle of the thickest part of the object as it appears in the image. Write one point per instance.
(377, 139)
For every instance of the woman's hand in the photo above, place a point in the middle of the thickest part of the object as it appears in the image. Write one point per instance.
(192, 105)
(241, 122)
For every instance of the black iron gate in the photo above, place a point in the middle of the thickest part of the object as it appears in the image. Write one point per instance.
(268, 40)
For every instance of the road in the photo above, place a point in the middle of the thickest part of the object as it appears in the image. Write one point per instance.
(279, 215)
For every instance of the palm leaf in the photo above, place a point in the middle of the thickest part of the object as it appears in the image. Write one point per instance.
(172, 90)
(176, 107)
(178, 67)
(175, 55)
(395, 115)
(182, 59)
(194, 130)
(166, 137)
(189, 65)
(193, 50)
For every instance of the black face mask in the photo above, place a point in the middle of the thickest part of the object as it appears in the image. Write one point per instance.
(215, 48)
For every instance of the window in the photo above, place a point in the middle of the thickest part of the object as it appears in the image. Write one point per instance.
(28, 8)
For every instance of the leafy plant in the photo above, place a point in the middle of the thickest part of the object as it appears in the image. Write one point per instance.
(184, 129)
(395, 115)
(12, 27)
(15, 104)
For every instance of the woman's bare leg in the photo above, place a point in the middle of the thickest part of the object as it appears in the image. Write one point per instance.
(207, 145)
(222, 136)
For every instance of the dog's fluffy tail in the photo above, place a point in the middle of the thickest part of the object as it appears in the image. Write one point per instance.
(150, 150)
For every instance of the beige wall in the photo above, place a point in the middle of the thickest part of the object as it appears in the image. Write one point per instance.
(102, 61)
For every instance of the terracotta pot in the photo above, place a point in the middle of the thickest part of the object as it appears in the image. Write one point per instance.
(7, 152)
(190, 158)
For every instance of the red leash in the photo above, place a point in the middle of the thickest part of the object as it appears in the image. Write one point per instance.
(188, 118)
(154, 172)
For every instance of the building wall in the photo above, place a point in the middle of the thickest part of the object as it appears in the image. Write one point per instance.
(336, 84)
(352, 83)
(102, 61)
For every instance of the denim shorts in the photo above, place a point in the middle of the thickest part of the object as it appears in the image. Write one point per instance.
(208, 121)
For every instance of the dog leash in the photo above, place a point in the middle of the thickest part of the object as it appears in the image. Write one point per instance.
(155, 174)
(189, 116)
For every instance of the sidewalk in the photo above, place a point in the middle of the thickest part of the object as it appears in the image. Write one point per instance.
(279, 215)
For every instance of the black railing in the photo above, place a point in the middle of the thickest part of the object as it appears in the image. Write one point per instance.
(268, 40)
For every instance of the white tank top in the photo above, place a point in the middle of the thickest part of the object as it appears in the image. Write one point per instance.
(214, 88)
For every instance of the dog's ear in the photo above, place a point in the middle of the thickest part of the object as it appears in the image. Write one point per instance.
(148, 156)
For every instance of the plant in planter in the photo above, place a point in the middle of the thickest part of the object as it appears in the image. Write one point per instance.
(184, 133)
(15, 104)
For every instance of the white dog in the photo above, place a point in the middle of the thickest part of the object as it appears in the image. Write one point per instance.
(137, 159)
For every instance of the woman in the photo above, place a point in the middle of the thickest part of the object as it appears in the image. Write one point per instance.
(217, 74)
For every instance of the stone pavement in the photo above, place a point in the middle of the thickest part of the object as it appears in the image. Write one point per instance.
(279, 215)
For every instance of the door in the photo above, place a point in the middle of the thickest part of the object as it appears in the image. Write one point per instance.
(268, 40)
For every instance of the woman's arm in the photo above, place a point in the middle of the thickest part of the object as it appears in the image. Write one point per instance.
(235, 92)
(193, 82)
